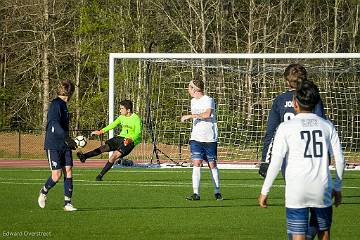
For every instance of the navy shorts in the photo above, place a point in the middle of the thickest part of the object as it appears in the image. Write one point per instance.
(59, 159)
(117, 143)
(297, 219)
(203, 151)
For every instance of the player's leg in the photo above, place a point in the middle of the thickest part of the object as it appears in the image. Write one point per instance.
(197, 157)
(115, 155)
(211, 156)
(119, 150)
(97, 151)
(55, 167)
(68, 181)
(321, 220)
(297, 223)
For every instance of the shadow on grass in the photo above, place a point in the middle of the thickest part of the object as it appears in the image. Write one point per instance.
(118, 208)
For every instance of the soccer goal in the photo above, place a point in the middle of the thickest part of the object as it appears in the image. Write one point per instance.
(243, 86)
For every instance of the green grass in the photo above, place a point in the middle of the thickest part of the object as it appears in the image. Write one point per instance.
(150, 204)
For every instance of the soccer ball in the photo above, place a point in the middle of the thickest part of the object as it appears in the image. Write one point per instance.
(80, 141)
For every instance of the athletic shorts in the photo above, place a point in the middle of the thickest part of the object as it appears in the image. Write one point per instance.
(59, 159)
(203, 151)
(117, 143)
(297, 219)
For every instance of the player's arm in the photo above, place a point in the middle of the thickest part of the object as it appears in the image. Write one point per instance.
(279, 152)
(204, 115)
(272, 124)
(109, 127)
(336, 152)
(56, 128)
(54, 125)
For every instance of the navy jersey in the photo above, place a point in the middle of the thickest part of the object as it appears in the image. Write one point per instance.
(281, 111)
(57, 127)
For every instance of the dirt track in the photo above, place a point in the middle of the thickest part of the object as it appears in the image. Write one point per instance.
(36, 163)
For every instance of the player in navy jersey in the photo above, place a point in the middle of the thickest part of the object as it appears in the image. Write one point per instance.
(283, 110)
(306, 143)
(58, 146)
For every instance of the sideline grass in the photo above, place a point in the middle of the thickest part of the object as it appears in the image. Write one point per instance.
(150, 204)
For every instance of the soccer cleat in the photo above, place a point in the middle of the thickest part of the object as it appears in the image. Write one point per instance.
(98, 178)
(69, 208)
(218, 196)
(42, 200)
(193, 197)
(81, 156)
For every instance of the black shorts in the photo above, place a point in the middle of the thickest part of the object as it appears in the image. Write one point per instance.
(117, 143)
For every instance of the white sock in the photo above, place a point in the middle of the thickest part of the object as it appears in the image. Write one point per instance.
(196, 179)
(215, 179)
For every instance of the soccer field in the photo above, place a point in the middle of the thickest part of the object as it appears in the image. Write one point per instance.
(150, 204)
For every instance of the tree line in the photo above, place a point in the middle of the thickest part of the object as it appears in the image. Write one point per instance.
(46, 41)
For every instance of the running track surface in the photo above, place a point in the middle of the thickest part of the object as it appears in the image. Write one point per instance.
(92, 163)
(18, 163)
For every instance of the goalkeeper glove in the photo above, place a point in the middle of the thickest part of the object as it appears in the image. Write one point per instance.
(127, 141)
(97, 132)
(70, 143)
(263, 169)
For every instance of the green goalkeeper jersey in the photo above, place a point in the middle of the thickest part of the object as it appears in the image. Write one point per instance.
(131, 127)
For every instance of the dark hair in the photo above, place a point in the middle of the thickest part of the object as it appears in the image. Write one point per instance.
(65, 88)
(307, 95)
(199, 83)
(295, 74)
(127, 104)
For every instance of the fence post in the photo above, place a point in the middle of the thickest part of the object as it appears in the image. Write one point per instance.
(19, 145)
(180, 145)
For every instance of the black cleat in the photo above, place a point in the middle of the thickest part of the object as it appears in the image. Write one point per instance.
(193, 197)
(98, 178)
(81, 156)
(218, 196)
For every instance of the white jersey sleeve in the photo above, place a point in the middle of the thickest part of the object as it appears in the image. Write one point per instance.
(280, 148)
(336, 152)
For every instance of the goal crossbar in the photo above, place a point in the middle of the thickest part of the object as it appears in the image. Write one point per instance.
(203, 56)
(113, 56)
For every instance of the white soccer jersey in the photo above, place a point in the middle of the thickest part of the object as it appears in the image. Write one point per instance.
(305, 142)
(204, 130)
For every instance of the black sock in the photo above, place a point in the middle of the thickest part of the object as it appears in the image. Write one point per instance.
(106, 168)
(93, 153)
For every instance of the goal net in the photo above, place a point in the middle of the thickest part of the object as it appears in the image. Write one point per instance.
(243, 86)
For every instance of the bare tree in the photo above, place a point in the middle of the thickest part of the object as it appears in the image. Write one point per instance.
(45, 33)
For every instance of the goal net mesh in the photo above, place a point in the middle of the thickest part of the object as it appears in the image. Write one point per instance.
(243, 90)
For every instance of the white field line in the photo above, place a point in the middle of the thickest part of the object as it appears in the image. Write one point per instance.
(14, 181)
(124, 170)
(138, 184)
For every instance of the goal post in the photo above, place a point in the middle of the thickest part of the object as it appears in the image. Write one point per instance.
(246, 83)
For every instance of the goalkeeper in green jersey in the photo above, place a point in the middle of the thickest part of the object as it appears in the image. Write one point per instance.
(122, 144)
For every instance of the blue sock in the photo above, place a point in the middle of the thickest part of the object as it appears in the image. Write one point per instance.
(68, 189)
(48, 185)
